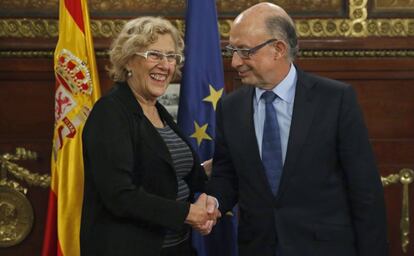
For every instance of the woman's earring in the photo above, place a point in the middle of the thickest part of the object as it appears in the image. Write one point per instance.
(129, 73)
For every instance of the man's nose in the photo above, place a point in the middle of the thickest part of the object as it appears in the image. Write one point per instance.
(236, 60)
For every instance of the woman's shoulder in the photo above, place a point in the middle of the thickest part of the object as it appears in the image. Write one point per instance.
(116, 97)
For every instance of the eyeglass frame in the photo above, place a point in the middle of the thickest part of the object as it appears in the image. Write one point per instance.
(249, 51)
(164, 55)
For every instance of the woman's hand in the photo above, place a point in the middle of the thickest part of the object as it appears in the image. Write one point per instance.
(198, 216)
(203, 214)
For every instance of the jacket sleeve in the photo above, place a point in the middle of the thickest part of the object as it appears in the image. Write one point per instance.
(109, 164)
(224, 182)
(197, 179)
(365, 190)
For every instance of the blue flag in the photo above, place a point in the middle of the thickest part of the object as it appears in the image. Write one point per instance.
(202, 85)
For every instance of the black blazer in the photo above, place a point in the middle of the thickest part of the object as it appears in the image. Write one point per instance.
(330, 200)
(130, 183)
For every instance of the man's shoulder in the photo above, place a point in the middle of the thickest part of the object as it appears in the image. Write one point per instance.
(238, 94)
(321, 81)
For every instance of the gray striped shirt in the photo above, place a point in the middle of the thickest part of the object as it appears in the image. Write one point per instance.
(183, 163)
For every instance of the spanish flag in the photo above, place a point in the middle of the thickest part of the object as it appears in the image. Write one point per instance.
(77, 89)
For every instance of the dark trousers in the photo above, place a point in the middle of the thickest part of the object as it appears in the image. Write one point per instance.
(182, 249)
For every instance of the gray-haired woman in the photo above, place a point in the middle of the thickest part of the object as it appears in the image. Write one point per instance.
(140, 172)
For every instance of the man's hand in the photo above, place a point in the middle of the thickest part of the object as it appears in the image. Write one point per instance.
(212, 209)
(208, 166)
(197, 216)
(203, 214)
(213, 214)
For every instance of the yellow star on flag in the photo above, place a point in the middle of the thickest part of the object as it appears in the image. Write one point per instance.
(200, 133)
(214, 96)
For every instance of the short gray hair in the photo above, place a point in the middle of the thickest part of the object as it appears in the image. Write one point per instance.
(135, 36)
(283, 28)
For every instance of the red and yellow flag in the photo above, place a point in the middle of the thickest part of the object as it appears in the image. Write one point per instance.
(77, 89)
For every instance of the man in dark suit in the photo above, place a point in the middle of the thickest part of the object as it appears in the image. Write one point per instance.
(299, 164)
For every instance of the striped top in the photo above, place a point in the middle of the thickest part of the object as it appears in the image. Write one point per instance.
(183, 163)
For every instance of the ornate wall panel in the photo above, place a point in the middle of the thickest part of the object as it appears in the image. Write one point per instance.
(356, 25)
(131, 8)
(394, 5)
(392, 8)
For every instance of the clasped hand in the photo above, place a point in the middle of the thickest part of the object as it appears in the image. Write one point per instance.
(203, 214)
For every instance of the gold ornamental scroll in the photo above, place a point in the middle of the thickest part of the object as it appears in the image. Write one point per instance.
(16, 211)
(405, 177)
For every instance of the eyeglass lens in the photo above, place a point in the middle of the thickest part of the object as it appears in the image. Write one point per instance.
(159, 56)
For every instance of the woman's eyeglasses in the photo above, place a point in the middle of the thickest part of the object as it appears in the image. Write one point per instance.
(156, 56)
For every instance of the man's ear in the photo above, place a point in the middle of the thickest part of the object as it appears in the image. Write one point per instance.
(280, 49)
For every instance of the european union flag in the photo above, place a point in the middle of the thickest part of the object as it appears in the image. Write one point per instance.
(202, 86)
(202, 83)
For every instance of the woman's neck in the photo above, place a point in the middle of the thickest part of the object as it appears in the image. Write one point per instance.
(147, 101)
(149, 108)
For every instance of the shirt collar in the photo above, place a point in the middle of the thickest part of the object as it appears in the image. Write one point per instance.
(285, 90)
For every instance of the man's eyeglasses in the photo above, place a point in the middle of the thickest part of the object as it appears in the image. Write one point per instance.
(246, 53)
(156, 56)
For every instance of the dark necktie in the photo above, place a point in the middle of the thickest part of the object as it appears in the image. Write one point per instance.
(271, 147)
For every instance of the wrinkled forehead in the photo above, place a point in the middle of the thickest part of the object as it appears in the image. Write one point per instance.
(247, 32)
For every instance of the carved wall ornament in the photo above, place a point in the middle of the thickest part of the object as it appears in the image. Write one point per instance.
(16, 216)
(356, 53)
(16, 212)
(7, 166)
(303, 53)
(165, 7)
(405, 177)
(356, 25)
(28, 28)
(393, 5)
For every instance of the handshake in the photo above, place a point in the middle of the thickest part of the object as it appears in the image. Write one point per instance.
(203, 214)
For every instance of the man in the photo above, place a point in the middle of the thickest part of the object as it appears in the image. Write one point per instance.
(292, 150)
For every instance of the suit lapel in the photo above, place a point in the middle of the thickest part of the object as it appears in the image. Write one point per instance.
(303, 112)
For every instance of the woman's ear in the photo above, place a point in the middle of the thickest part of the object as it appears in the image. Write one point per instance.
(127, 65)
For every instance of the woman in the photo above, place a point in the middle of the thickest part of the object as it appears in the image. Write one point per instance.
(140, 172)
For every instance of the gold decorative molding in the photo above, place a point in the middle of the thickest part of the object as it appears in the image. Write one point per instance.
(161, 7)
(405, 177)
(393, 5)
(106, 28)
(7, 166)
(16, 212)
(48, 28)
(318, 28)
(26, 54)
(143, 6)
(28, 28)
(356, 53)
(13, 185)
(49, 5)
(168, 7)
(357, 25)
(385, 53)
(16, 216)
